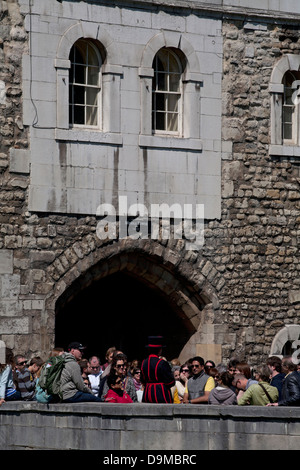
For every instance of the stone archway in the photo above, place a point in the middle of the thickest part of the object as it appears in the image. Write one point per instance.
(186, 290)
(121, 310)
(286, 341)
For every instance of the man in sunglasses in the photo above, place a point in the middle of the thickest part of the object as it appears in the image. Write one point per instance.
(27, 376)
(20, 363)
(199, 385)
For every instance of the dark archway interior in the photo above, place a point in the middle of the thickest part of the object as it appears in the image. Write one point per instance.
(120, 311)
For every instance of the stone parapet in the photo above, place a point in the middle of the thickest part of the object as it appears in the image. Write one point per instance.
(147, 427)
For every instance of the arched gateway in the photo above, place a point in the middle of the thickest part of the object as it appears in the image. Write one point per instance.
(118, 294)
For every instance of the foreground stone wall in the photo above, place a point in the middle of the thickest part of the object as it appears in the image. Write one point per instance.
(143, 427)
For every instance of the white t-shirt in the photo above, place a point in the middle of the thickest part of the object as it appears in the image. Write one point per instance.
(95, 380)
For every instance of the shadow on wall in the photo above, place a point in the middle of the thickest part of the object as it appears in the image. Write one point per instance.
(120, 311)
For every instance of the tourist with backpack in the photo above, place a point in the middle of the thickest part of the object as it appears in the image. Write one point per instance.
(72, 386)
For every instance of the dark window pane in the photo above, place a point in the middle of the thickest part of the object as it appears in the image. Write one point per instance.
(287, 131)
(162, 82)
(174, 82)
(160, 101)
(79, 56)
(78, 94)
(159, 65)
(160, 121)
(71, 114)
(79, 115)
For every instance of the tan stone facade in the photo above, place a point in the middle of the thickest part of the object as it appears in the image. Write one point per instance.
(241, 289)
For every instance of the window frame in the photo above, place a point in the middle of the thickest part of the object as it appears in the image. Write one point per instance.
(167, 93)
(278, 145)
(192, 82)
(86, 86)
(295, 112)
(111, 76)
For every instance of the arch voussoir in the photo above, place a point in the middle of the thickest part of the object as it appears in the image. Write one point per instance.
(188, 288)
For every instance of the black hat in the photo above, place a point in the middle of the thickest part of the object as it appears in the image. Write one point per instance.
(76, 345)
(155, 342)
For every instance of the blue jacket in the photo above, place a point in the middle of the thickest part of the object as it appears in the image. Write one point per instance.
(6, 380)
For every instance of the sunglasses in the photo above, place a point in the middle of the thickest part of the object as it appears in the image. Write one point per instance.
(119, 366)
(185, 370)
(22, 363)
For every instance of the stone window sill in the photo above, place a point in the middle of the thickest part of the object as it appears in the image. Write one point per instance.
(87, 135)
(284, 150)
(170, 142)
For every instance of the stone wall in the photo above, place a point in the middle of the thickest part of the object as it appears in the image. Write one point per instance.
(240, 290)
(260, 192)
(13, 134)
(138, 427)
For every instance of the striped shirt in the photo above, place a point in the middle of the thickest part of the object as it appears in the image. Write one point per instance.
(26, 385)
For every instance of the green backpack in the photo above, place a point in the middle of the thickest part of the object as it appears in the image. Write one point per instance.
(49, 379)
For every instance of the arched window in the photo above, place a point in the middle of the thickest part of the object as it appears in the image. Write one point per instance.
(85, 84)
(167, 92)
(285, 107)
(286, 342)
(290, 108)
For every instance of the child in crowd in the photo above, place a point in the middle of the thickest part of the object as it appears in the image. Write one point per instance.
(115, 393)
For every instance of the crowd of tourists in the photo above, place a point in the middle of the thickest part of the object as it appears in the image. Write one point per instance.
(154, 379)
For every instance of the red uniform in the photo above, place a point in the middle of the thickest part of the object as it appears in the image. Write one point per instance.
(158, 378)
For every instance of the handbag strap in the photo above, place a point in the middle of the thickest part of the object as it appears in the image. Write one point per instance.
(268, 395)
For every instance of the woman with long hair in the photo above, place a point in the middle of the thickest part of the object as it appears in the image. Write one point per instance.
(180, 384)
(119, 368)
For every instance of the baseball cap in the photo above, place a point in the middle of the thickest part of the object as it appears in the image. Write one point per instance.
(76, 345)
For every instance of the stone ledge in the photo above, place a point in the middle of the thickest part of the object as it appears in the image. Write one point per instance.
(161, 410)
(88, 135)
(104, 426)
(264, 8)
(169, 142)
(284, 150)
